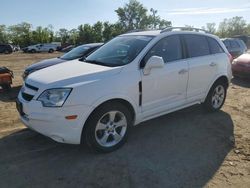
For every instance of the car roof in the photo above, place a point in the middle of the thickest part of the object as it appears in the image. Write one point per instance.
(160, 32)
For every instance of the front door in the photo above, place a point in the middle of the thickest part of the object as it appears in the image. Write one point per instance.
(165, 88)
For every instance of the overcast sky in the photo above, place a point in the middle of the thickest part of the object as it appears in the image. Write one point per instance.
(71, 13)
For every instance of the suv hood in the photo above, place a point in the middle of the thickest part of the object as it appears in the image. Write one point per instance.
(44, 64)
(70, 73)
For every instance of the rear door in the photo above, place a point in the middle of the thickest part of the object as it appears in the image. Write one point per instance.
(202, 66)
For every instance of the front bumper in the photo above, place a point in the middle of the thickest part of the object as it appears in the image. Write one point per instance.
(51, 122)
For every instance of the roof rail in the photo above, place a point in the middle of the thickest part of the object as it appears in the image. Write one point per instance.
(183, 29)
(137, 30)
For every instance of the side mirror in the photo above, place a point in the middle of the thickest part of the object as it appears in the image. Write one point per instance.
(153, 62)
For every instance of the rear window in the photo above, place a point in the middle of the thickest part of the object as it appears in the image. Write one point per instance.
(214, 46)
(197, 45)
(234, 44)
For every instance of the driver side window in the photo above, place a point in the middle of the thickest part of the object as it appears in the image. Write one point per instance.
(168, 48)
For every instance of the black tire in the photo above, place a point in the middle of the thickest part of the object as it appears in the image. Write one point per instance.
(33, 51)
(209, 102)
(89, 133)
(6, 87)
(51, 50)
(6, 51)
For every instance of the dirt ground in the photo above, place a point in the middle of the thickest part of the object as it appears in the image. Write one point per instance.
(188, 148)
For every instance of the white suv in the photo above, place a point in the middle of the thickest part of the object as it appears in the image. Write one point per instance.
(134, 77)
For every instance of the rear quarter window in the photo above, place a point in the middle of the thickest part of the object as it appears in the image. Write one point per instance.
(214, 46)
(197, 45)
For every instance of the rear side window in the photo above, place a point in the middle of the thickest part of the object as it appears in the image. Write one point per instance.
(227, 44)
(214, 46)
(168, 48)
(197, 45)
(234, 44)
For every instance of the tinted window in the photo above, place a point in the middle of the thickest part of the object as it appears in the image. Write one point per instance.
(214, 46)
(234, 44)
(168, 48)
(76, 53)
(227, 44)
(197, 45)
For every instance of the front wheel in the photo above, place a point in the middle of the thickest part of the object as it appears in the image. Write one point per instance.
(216, 96)
(107, 128)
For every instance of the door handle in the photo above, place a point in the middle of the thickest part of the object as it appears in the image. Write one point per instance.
(212, 64)
(183, 71)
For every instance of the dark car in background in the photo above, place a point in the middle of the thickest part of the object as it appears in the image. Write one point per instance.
(76, 53)
(6, 48)
(235, 46)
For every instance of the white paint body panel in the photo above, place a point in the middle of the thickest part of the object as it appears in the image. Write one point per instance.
(164, 90)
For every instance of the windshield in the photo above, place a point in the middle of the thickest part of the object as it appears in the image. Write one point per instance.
(119, 51)
(76, 53)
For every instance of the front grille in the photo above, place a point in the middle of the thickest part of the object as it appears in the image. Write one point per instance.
(27, 97)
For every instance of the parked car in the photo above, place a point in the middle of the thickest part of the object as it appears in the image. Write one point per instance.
(78, 52)
(235, 46)
(241, 66)
(132, 78)
(16, 48)
(6, 76)
(6, 48)
(41, 48)
(67, 49)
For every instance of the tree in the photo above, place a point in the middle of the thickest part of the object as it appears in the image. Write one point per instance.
(97, 30)
(135, 16)
(111, 30)
(20, 34)
(73, 36)
(210, 27)
(155, 22)
(3, 34)
(63, 34)
(233, 26)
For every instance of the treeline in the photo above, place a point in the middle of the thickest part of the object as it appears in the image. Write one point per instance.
(132, 15)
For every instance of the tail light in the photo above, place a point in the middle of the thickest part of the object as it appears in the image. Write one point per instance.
(230, 57)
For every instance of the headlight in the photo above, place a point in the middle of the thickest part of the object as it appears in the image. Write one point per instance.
(54, 97)
(234, 62)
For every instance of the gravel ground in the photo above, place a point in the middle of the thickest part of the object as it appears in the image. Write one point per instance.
(188, 148)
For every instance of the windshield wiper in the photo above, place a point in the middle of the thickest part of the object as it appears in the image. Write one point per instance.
(95, 62)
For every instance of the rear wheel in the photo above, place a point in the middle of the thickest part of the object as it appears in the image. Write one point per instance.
(33, 51)
(6, 51)
(51, 50)
(216, 96)
(107, 128)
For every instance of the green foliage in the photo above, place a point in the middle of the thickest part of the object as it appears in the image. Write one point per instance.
(233, 26)
(4, 38)
(210, 27)
(20, 34)
(135, 16)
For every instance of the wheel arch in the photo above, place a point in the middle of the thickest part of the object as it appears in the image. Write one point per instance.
(128, 103)
(222, 78)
